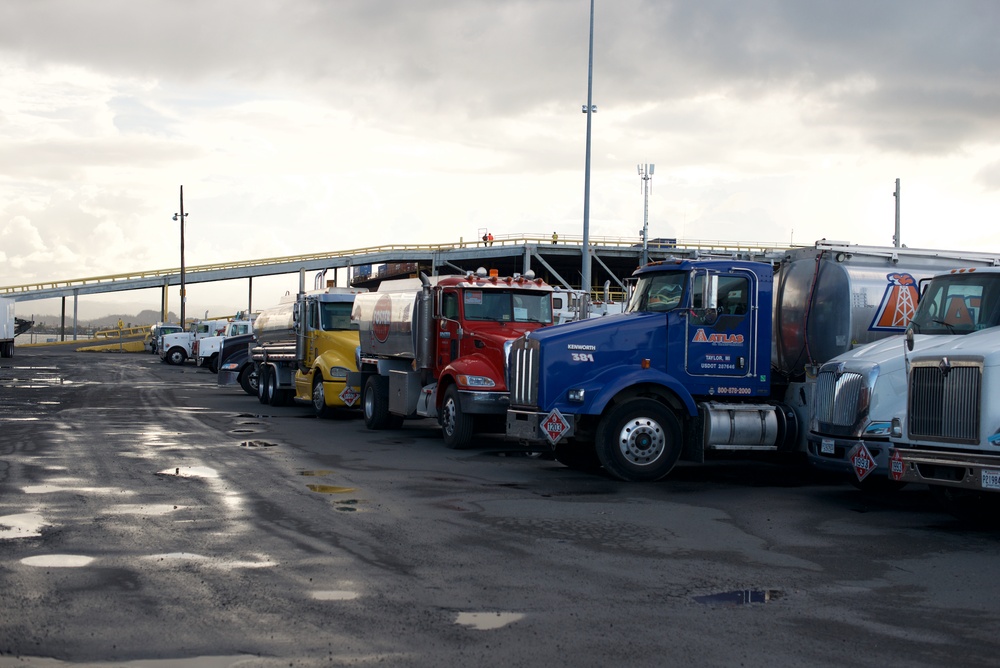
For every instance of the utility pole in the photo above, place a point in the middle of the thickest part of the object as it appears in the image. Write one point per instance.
(646, 174)
(181, 216)
(895, 237)
(588, 109)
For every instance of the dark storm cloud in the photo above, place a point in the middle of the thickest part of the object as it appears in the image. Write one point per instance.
(915, 76)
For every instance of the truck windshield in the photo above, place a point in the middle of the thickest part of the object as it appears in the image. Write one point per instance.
(499, 306)
(336, 316)
(658, 292)
(959, 304)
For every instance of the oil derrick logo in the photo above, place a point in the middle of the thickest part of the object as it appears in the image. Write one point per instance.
(899, 303)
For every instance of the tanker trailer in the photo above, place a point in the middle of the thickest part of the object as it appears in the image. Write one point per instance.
(305, 351)
(438, 347)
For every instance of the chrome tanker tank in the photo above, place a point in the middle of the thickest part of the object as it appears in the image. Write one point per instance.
(833, 297)
(276, 324)
(386, 317)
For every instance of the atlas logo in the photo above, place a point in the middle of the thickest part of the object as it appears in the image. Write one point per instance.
(899, 303)
(382, 318)
(701, 337)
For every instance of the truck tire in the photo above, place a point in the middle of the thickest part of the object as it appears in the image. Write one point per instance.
(176, 356)
(639, 440)
(263, 386)
(375, 402)
(213, 363)
(275, 395)
(248, 380)
(319, 397)
(456, 426)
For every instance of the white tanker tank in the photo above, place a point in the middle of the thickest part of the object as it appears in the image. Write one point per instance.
(833, 297)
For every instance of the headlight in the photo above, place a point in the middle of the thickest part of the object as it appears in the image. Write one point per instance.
(230, 366)
(897, 428)
(575, 395)
(878, 429)
(338, 372)
(475, 381)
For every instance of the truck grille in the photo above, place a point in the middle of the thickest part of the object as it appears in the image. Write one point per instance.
(524, 373)
(840, 399)
(944, 400)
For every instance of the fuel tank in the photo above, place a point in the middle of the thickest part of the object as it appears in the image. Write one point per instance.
(833, 297)
(276, 324)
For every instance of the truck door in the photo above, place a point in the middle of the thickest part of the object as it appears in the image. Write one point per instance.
(720, 342)
(448, 327)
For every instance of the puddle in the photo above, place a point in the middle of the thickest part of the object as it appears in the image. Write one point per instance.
(21, 419)
(330, 489)
(257, 444)
(23, 525)
(49, 403)
(191, 662)
(320, 473)
(153, 509)
(209, 562)
(58, 561)
(241, 431)
(740, 597)
(334, 595)
(529, 454)
(487, 621)
(51, 489)
(190, 472)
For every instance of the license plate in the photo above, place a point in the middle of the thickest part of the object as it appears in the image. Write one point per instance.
(991, 479)
(827, 447)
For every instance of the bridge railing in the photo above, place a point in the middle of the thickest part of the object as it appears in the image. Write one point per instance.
(500, 240)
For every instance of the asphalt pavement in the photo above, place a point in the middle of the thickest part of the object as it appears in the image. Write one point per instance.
(149, 517)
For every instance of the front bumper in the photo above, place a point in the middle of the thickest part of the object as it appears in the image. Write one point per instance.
(526, 426)
(967, 470)
(833, 454)
(484, 403)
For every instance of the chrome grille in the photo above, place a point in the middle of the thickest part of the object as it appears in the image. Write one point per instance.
(524, 373)
(944, 400)
(840, 398)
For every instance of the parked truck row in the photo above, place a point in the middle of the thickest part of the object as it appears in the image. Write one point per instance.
(798, 352)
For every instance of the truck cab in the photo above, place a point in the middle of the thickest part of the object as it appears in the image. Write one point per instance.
(177, 348)
(206, 351)
(859, 392)
(686, 365)
(438, 347)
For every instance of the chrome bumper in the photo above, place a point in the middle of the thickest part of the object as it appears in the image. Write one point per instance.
(967, 470)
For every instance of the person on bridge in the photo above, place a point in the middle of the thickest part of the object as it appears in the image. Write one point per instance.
(485, 238)
(555, 237)
(491, 238)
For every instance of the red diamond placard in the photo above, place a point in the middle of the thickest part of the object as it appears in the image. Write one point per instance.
(896, 465)
(554, 425)
(349, 396)
(861, 461)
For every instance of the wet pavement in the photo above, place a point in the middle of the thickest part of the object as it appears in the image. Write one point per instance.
(151, 518)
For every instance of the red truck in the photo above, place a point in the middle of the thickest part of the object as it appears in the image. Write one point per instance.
(438, 347)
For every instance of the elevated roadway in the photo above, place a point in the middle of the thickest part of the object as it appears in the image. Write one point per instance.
(614, 259)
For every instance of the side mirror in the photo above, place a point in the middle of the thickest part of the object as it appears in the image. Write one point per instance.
(909, 338)
(710, 292)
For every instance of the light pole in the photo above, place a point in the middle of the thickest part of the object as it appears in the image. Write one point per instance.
(646, 174)
(181, 216)
(589, 109)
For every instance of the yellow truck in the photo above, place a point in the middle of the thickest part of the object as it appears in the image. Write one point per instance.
(305, 351)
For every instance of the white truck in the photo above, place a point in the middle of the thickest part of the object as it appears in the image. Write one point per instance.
(859, 392)
(177, 348)
(206, 350)
(949, 435)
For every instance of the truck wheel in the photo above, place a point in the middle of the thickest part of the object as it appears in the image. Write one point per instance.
(319, 397)
(578, 456)
(375, 402)
(213, 363)
(248, 380)
(639, 440)
(176, 356)
(263, 386)
(275, 395)
(456, 426)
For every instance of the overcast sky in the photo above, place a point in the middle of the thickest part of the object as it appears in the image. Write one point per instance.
(317, 125)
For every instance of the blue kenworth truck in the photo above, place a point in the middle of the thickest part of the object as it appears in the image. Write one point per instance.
(710, 355)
